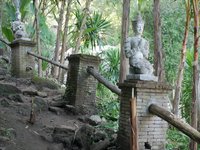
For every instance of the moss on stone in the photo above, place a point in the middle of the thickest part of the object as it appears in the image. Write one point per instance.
(44, 83)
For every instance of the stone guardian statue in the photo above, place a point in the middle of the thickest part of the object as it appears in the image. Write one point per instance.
(137, 50)
(18, 27)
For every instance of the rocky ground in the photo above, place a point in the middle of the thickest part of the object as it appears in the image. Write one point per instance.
(34, 116)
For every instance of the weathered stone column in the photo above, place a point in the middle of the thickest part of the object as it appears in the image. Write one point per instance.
(80, 86)
(22, 64)
(151, 129)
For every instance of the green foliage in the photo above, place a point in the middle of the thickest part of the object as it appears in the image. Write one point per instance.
(113, 15)
(108, 106)
(46, 35)
(176, 140)
(108, 103)
(9, 16)
(110, 65)
(95, 29)
(186, 97)
(143, 4)
(45, 64)
(173, 26)
(9, 12)
(24, 8)
(8, 33)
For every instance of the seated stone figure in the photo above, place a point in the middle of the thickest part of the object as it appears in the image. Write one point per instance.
(137, 50)
(18, 27)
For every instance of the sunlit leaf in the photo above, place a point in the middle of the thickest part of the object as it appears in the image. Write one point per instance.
(8, 33)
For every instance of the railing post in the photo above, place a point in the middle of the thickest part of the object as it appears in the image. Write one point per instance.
(135, 121)
(81, 86)
(22, 64)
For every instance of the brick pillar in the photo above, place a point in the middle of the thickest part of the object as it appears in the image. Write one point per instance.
(80, 86)
(151, 129)
(22, 64)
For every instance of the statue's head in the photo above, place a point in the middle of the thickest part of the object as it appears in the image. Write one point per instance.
(138, 25)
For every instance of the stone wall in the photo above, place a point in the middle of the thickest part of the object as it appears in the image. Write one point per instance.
(80, 86)
(22, 64)
(151, 129)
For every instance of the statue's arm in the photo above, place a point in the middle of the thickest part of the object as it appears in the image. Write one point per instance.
(146, 49)
(127, 48)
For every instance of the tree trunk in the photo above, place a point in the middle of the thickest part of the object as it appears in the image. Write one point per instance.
(175, 121)
(193, 145)
(102, 80)
(37, 28)
(158, 52)
(86, 13)
(182, 62)
(65, 39)
(58, 39)
(124, 65)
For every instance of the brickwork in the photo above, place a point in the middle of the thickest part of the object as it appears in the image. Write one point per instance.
(81, 87)
(151, 128)
(22, 64)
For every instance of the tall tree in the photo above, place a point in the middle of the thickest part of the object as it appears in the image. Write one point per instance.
(124, 34)
(158, 52)
(85, 14)
(178, 86)
(193, 144)
(37, 28)
(58, 38)
(65, 39)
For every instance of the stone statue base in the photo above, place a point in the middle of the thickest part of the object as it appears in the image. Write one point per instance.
(142, 77)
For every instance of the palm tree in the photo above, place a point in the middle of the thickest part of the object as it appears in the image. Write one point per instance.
(95, 29)
(82, 25)
(109, 67)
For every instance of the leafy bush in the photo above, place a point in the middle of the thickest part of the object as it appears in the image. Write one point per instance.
(176, 140)
(108, 103)
(108, 106)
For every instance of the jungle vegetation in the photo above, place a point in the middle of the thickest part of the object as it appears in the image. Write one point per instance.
(62, 27)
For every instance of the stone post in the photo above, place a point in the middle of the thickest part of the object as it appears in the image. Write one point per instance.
(22, 64)
(81, 87)
(151, 129)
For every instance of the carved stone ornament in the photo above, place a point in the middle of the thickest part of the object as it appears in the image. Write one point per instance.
(18, 27)
(137, 50)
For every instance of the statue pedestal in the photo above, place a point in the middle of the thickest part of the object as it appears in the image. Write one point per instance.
(22, 64)
(150, 128)
(142, 77)
(80, 86)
